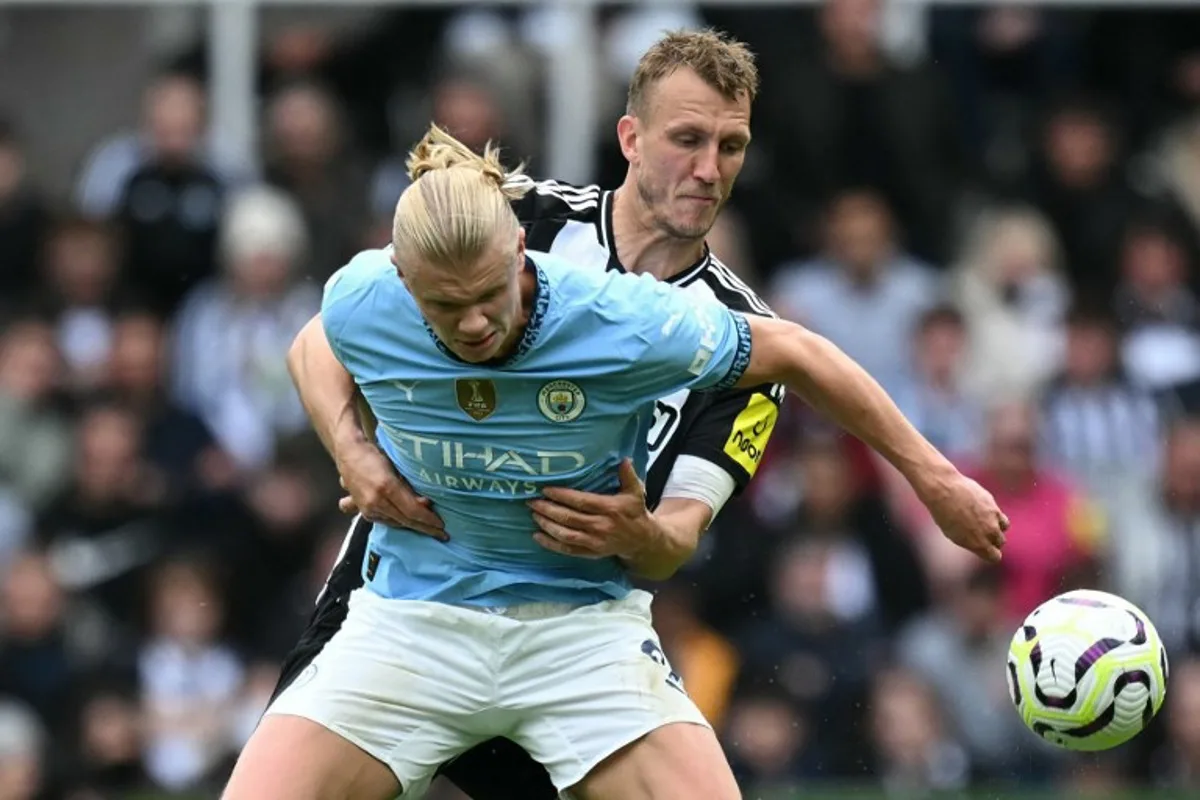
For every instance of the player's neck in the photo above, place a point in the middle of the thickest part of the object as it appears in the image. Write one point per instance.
(641, 246)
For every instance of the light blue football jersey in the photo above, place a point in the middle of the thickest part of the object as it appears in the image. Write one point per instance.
(574, 399)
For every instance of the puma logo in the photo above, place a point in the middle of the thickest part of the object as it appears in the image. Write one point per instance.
(407, 388)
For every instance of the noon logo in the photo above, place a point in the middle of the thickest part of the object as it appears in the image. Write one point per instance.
(561, 401)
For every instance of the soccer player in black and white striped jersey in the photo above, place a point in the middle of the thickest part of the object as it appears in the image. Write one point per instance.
(685, 135)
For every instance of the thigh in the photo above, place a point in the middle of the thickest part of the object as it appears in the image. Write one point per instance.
(591, 682)
(298, 759)
(675, 762)
(500, 769)
(407, 683)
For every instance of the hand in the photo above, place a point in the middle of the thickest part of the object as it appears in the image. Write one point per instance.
(589, 525)
(381, 495)
(967, 514)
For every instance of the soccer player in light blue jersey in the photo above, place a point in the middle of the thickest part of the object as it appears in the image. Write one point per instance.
(482, 420)
(495, 373)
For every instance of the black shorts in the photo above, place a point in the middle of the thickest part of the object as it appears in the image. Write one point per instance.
(497, 769)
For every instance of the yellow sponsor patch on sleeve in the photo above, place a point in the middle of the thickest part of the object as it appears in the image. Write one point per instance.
(751, 432)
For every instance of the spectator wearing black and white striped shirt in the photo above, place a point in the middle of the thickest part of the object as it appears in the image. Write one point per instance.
(1098, 426)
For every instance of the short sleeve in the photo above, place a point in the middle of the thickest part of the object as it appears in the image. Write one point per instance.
(348, 295)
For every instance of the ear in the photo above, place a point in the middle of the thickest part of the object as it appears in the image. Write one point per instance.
(627, 135)
(520, 248)
(400, 272)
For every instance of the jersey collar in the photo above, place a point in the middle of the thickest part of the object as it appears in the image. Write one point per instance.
(541, 301)
(614, 262)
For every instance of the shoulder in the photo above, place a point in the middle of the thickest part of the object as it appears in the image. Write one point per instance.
(617, 306)
(551, 199)
(576, 288)
(604, 287)
(361, 273)
(367, 281)
(724, 285)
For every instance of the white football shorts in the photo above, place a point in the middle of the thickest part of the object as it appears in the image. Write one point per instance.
(415, 684)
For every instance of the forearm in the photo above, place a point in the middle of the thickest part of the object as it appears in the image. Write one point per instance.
(835, 385)
(678, 524)
(327, 391)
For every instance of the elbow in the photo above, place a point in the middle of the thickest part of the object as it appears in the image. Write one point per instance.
(297, 354)
(295, 358)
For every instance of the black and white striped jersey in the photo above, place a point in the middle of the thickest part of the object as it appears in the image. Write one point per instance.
(729, 429)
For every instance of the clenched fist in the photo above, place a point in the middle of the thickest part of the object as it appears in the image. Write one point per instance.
(967, 514)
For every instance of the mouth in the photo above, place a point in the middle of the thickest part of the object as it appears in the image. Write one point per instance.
(478, 344)
(695, 198)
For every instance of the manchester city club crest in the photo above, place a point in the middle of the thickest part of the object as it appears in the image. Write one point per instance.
(475, 396)
(561, 401)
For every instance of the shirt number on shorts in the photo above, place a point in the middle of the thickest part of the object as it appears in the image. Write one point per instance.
(651, 649)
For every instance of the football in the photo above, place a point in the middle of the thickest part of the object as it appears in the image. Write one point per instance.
(1087, 670)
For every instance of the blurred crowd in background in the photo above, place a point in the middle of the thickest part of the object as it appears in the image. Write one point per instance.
(995, 210)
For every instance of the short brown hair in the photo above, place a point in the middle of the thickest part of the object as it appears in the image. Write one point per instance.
(723, 62)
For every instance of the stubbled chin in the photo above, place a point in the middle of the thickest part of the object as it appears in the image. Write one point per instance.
(698, 217)
(694, 228)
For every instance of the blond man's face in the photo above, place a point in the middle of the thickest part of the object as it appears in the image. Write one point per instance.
(686, 148)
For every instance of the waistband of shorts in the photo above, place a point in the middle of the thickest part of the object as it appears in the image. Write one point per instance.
(635, 600)
(527, 611)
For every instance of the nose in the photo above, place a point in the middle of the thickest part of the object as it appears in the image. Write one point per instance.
(473, 324)
(707, 168)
